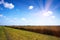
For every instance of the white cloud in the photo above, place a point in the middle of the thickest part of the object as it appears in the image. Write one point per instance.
(7, 5)
(31, 7)
(48, 13)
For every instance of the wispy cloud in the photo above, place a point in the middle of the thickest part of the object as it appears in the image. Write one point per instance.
(1, 1)
(1, 15)
(7, 5)
(23, 19)
(53, 16)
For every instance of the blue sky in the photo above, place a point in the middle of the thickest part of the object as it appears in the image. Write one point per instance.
(29, 12)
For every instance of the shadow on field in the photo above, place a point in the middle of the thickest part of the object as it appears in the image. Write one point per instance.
(44, 31)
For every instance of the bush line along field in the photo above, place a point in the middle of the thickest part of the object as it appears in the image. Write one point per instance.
(16, 34)
(48, 30)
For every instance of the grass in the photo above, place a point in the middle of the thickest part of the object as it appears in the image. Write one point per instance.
(2, 34)
(15, 34)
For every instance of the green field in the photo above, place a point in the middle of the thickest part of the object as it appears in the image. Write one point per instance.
(15, 34)
(2, 34)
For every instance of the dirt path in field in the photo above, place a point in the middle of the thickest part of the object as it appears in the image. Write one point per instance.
(6, 34)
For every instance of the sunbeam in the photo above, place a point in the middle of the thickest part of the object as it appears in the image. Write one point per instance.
(48, 4)
(56, 6)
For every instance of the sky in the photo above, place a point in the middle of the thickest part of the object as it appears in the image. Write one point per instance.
(29, 12)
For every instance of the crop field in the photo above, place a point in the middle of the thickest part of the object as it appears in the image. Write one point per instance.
(7, 33)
